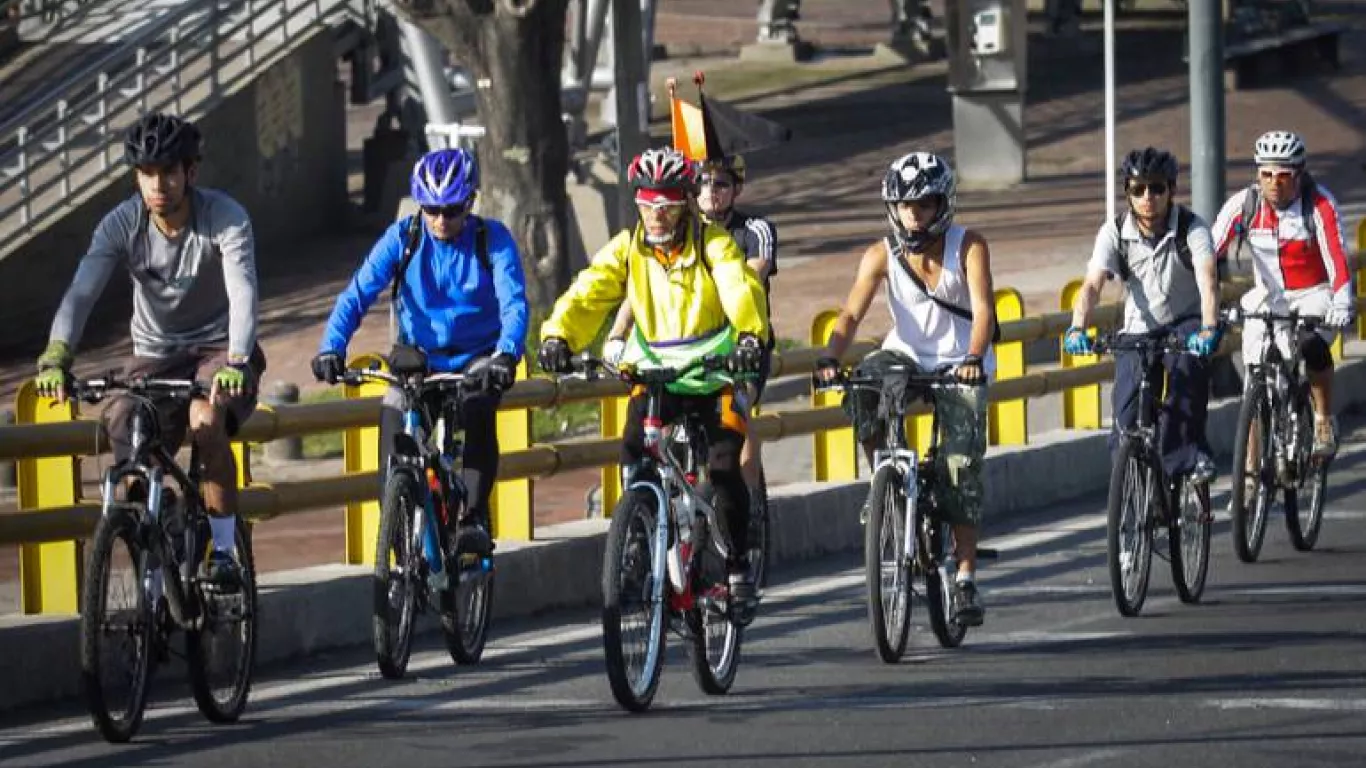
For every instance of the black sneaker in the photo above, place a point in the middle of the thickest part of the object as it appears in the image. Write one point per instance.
(967, 606)
(744, 598)
(472, 538)
(222, 572)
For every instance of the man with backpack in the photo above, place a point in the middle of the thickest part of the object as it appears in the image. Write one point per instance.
(459, 296)
(1163, 253)
(1299, 259)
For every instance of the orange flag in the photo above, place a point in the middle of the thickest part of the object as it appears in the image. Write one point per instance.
(689, 129)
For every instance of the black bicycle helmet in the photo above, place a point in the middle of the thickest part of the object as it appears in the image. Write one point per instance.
(1149, 163)
(161, 139)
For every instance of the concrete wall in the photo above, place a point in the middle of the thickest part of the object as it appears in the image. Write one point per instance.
(277, 145)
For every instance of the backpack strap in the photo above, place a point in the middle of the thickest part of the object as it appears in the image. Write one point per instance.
(1123, 247)
(411, 240)
(1185, 217)
(481, 244)
(953, 309)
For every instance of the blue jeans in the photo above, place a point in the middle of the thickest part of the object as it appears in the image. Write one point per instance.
(1181, 420)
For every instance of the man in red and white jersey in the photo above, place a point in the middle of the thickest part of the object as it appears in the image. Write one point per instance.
(1291, 227)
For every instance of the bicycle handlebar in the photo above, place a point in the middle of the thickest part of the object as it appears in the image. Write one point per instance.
(915, 378)
(1120, 342)
(1236, 316)
(586, 367)
(93, 390)
(357, 376)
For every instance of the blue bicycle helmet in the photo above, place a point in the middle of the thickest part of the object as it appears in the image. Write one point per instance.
(445, 177)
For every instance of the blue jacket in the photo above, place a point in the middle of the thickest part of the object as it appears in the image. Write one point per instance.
(449, 305)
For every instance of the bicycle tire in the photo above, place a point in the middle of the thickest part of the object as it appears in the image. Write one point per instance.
(1304, 534)
(759, 534)
(393, 630)
(714, 677)
(1188, 540)
(939, 583)
(889, 608)
(1129, 477)
(117, 526)
(1249, 530)
(465, 622)
(199, 653)
(632, 534)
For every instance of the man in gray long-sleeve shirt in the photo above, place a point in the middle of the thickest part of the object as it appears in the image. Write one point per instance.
(191, 257)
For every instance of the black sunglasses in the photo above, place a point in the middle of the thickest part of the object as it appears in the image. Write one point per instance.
(446, 211)
(715, 183)
(1140, 189)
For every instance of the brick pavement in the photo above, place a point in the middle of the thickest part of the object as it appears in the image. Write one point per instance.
(821, 188)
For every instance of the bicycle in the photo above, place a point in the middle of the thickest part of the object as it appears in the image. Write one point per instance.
(905, 537)
(662, 560)
(1276, 402)
(1143, 498)
(423, 498)
(153, 508)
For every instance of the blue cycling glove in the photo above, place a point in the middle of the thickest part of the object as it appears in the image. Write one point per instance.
(1076, 342)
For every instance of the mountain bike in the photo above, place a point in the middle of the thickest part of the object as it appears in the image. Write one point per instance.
(906, 539)
(416, 566)
(1143, 498)
(148, 550)
(1274, 443)
(664, 567)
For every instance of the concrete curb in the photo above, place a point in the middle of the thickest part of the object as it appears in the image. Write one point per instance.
(326, 607)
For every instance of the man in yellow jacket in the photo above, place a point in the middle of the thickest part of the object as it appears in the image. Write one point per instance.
(693, 296)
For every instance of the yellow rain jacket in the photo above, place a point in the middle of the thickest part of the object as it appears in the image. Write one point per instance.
(684, 307)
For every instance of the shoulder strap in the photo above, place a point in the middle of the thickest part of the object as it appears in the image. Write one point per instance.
(1123, 249)
(1252, 203)
(411, 241)
(954, 309)
(1309, 197)
(481, 244)
(1184, 218)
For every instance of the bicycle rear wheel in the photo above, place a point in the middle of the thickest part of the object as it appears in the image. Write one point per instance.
(632, 613)
(397, 576)
(466, 608)
(714, 647)
(939, 584)
(221, 655)
(1304, 503)
(888, 577)
(1129, 538)
(1188, 536)
(1253, 475)
(116, 638)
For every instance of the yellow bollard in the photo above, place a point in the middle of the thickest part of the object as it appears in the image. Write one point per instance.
(360, 453)
(1080, 405)
(919, 430)
(49, 574)
(511, 509)
(834, 451)
(1008, 422)
(612, 421)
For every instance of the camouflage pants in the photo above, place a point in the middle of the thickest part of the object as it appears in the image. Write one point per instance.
(961, 460)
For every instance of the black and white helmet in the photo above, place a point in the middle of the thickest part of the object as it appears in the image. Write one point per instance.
(916, 176)
(1280, 148)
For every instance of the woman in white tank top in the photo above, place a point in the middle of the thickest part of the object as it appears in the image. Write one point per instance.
(938, 278)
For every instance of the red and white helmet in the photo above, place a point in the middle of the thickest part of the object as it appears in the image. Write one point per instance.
(662, 169)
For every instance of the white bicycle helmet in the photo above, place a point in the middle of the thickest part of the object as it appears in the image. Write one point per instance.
(1280, 148)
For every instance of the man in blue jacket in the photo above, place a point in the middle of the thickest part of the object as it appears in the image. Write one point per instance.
(461, 300)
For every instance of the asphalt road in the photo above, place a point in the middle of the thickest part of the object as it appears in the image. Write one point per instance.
(1269, 671)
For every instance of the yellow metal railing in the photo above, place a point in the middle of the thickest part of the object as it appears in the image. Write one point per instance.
(47, 443)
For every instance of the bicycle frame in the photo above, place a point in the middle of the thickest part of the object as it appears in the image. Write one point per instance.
(1283, 384)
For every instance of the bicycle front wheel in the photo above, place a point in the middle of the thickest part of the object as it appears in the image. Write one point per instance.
(632, 613)
(1253, 474)
(1188, 536)
(884, 553)
(222, 653)
(1129, 538)
(116, 627)
(397, 575)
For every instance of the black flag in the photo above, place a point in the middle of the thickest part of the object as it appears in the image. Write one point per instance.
(731, 132)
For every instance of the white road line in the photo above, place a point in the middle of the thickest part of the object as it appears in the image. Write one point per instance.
(1300, 704)
(1050, 533)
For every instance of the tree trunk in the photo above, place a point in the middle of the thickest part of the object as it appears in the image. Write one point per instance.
(514, 50)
